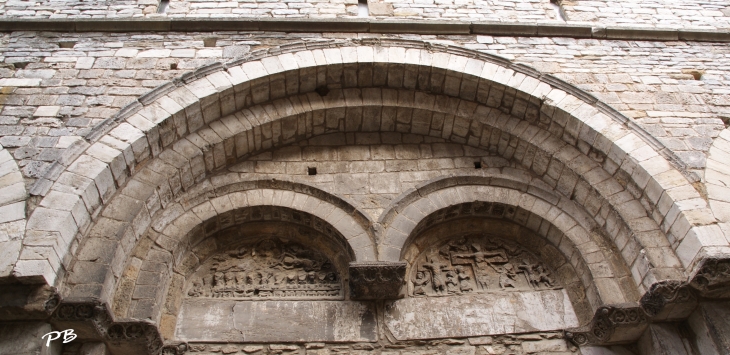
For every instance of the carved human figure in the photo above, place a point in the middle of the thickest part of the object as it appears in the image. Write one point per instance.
(420, 283)
(541, 275)
(475, 264)
(528, 269)
(483, 281)
(266, 268)
(230, 279)
(240, 279)
(196, 290)
(507, 276)
(269, 278)
(434, 267)
(302, 278)
(253, 278)
(452, 285)
(331, 277)
(218, 281)
(464, 283)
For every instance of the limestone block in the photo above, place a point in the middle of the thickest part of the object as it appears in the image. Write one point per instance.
(154, 53)
(276, 321)
(479, 315)
(46, 219)
(662, 339)
(47, 111)
(709, 323)
(12, 193)
(12, 212)
(380, 9)
(20, 82)
(98, 171)
(9, 253)
(39, 270)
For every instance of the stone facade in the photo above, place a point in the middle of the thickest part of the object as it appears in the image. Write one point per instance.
(528, 177)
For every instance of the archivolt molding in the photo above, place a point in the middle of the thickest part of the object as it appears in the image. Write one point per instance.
(717, 180)
(216, 152)
(173, 224)
(712, 275)
(90, 173)
(573, 234)
(215, 197)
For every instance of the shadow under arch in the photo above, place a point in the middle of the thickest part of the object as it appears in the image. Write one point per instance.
(173, 229)
(495, 224)
(229, 235)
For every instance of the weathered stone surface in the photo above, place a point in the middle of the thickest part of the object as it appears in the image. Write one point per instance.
(67, 88)
(483, 314)
(276, 321)
(25, 338)
(377, 280)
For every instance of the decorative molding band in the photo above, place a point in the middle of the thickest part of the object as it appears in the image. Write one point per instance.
(364, 25)
(669, 300)
(377, 280)
(665, 301)
(93, 320)
(712, 279)
(611, 325)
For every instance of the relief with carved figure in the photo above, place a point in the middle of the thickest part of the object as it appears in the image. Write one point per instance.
(267, 269)
(475, 264)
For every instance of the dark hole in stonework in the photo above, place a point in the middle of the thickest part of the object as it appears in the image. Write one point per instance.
(20, 65)
(162, 8)
(209, 42)
(696, 73)
(477, 165)
(66, 44)
(558, 7)
(312, 171)
(362, 8)
(725, 120)
(173, 66)
(322, 90)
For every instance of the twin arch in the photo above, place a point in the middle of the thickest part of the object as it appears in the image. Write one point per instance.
(599, 181)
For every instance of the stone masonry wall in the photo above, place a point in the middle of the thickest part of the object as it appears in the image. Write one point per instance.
(711, 14)
(371, 169)
(661, 13)
(52, 96)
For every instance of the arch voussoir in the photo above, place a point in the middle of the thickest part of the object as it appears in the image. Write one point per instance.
(221, 113)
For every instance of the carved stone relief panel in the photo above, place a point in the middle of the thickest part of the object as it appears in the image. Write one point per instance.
(268, 268)
(475, 264)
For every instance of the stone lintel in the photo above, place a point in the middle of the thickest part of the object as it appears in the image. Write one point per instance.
(276, 321)
(377, 280)
(479, 314)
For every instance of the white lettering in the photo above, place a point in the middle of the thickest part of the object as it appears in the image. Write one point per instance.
(68, 336)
